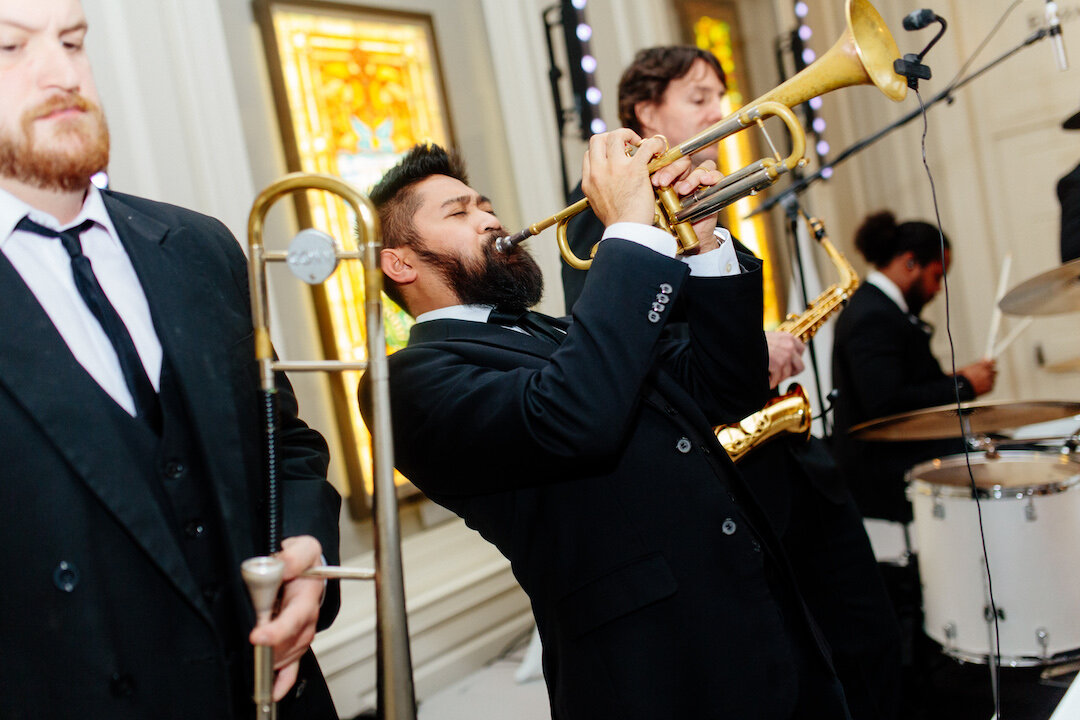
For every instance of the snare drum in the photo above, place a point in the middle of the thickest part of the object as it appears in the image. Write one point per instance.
(1031, 518)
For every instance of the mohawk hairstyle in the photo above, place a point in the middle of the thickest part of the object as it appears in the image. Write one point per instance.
(393, 195)
(396, 202)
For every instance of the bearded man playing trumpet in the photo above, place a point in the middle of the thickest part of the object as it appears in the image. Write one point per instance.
(678, 91)
(583, 449)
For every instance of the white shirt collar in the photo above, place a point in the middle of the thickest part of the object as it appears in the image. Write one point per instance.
(887, 286)
(473, 313)
(12, 210)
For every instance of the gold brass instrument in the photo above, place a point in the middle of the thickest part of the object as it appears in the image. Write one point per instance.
(790, 412)
(833, 298)
(863, 55)
(313, 256)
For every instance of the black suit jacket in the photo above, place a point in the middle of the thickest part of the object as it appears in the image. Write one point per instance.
(882, 365)
(101, 616)
(1068, 192)
(593, 468)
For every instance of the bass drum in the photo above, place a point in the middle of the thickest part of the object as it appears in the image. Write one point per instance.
(1031, 517)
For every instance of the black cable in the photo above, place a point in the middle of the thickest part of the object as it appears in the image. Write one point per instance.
(995, 652)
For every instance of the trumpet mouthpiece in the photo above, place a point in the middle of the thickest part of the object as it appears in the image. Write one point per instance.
(504, 244)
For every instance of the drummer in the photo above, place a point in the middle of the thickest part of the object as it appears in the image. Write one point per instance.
(882, 365)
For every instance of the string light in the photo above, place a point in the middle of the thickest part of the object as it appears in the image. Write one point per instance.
(587, 95)
(804, 56)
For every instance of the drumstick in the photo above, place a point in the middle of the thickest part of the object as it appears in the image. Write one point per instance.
(1015, 333)
(995, 318)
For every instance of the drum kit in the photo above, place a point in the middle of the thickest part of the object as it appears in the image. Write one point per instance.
(1009, 507)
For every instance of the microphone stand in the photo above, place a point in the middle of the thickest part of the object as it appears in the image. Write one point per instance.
(802, 184)
(792, 209)
(554, 73)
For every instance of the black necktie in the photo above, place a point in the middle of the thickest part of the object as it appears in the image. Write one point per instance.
(537, 325)
(142, 391)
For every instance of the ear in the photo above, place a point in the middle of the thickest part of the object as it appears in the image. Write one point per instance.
(645, 111)
(396, 265)
(910, 263)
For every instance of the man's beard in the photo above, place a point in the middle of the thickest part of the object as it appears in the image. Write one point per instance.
(51, 165)
(511, 281)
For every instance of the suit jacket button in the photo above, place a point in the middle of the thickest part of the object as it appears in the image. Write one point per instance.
(666, 288)
(122, 685)
(728, 527)
(683, 445)
(663, 298)
(174, 469)
(66, 576)
(654, 317)
(195, 529)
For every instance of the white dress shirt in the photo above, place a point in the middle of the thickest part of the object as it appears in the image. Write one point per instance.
(45, 267)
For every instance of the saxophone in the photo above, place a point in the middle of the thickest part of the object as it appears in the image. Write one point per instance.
(790, 412)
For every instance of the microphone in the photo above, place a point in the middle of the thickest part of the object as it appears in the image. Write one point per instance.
(1056, 38)
(919, 19)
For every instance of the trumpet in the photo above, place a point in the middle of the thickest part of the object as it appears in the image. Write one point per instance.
(863, 55)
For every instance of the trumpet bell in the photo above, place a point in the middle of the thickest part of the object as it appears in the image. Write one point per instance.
(862, 55)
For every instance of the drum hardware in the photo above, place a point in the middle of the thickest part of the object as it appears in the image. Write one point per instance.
(1043, 639)
(948, 631)
(939, 506)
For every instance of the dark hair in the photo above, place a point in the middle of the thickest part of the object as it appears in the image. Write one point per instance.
(652, 70)
(880, 239)
(396, 202)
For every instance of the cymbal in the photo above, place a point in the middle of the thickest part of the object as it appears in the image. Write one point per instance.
(1050, 293)
(940, 422)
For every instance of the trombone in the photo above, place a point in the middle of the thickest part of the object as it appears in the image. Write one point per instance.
(863, 55)
(313, 256)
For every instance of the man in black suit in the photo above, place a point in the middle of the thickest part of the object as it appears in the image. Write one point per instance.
(582, 448)
(131, 486)
(882, 365)
(676, 91)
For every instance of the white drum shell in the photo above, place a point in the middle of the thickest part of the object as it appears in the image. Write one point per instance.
(1032, 530)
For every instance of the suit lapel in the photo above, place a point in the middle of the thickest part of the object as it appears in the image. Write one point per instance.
(41, 373)
(177, 291)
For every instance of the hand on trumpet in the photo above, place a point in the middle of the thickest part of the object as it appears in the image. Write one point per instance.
(292, 630)
(620, 188)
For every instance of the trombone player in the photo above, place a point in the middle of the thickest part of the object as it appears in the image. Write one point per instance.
(131, 479)
(582, 448)
(677, 91)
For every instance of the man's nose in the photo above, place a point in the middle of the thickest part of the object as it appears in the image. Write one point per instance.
(716, 111)
(58, 67)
